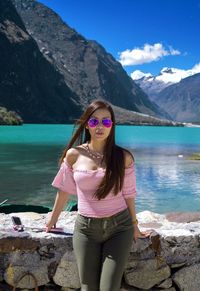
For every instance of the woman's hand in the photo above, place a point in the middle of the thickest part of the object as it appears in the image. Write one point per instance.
(138, 234)
(50, 224)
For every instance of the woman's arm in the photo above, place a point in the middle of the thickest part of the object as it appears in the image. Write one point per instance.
(62, 196)
(131, 204)
(60, 201)
(137, 233)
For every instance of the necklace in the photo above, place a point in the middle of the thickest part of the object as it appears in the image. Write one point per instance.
(93, 154)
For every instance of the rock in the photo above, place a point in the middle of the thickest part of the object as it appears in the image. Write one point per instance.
(1, 275)
(68, 289)
(169, 225)
(67, 272)
(5, 287)
(188, 278)
(129, 289)
(1, 267)
(13, 273)
(140, 245)
(25, 259)
(176, 266)
(9, 117)
(17, 243)
(169, 289)
(181, 250)
(147, 248)
(183, 217)
(146, 274)
(166, 284)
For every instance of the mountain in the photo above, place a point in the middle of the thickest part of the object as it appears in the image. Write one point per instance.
(49, 72)
(153, 85)
(87, 69)
(182, 100)
(29, 84)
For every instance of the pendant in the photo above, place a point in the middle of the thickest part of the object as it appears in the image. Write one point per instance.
(93, 154)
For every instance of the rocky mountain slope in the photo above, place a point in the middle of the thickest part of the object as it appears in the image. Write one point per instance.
(29, 84)
(176, 91)
(182, 100)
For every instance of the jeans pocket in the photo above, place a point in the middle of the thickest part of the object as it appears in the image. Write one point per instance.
(125, 223)
(81, 225)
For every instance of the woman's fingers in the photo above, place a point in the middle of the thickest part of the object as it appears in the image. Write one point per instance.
(50, 225)
(142, 235)
(145, 234)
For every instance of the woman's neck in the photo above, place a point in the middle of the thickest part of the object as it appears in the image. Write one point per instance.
(96, 146)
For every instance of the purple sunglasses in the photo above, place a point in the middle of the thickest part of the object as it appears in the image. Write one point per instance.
(93, 122)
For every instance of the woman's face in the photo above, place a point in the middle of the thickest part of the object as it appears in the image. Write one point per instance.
(100, 124)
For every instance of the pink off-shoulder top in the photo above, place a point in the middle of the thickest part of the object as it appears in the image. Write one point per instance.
(84, 183)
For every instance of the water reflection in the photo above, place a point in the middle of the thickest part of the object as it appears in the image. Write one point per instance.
(167, 183)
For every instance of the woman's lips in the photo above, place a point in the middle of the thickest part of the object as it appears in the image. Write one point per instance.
(99, 133)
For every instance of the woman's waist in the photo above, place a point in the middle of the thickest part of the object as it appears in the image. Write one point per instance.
(114, 219)
(100, 209)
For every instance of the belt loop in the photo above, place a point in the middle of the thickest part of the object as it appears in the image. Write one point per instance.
(115, 222)
(88, 222)
(105, 224)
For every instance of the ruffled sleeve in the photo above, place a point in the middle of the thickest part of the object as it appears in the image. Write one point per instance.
(129, 186)
(64, 179)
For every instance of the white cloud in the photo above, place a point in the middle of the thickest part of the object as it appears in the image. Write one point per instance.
(136, 75)
(147, 54)
(173, 52)
(169, 75)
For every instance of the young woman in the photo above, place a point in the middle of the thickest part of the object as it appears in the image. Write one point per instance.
(102, 175)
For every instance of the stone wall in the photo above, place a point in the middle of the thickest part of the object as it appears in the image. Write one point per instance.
(169, 260)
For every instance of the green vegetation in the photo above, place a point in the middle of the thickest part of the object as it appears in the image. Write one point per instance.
(9, 117)
(195, 156)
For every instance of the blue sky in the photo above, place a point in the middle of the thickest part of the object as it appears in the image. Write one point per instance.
(144, 35)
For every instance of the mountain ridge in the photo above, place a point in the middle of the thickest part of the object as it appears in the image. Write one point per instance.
(182, 100)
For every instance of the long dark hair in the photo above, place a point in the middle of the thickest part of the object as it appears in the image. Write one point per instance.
(113, 154)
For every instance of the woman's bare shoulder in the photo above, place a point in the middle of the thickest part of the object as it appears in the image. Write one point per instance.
(72, 156)
(129, 158)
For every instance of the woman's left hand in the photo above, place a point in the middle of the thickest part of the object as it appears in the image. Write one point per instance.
(138, 234)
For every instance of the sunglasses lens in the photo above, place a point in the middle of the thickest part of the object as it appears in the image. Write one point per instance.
(93, 122)
(107, 122)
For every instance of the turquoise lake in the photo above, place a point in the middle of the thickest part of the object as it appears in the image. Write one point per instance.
(167, 180)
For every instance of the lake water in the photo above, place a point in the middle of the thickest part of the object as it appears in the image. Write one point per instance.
(166, 179)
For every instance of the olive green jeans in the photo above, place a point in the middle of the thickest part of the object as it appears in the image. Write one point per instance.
(101, 247)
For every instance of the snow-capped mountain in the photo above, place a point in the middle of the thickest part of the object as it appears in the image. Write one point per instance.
(153, 85)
